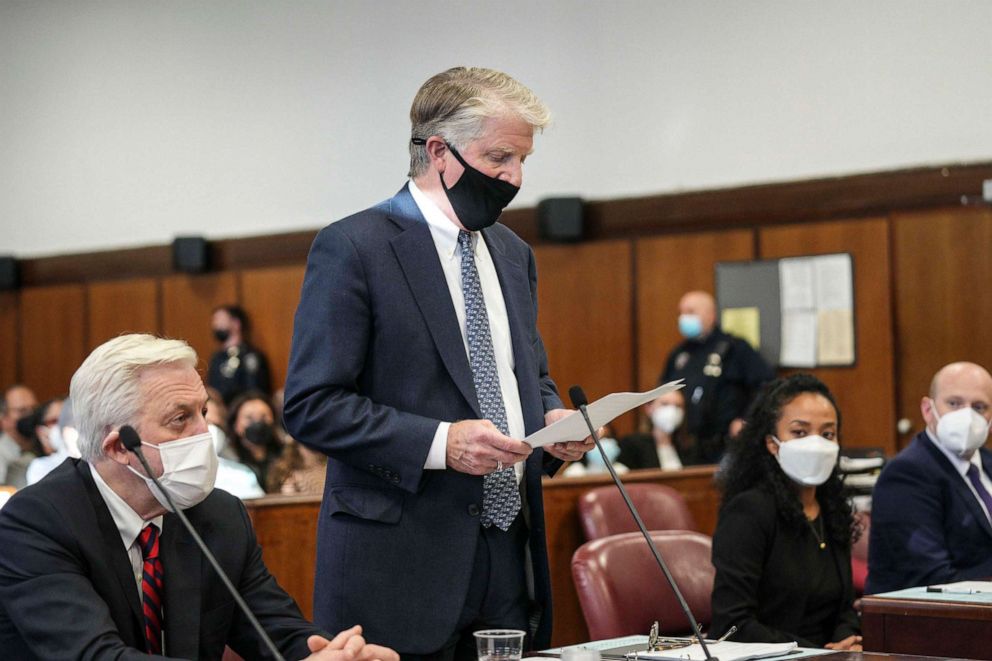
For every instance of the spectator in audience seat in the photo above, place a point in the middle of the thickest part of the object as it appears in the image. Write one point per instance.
(665, 444)
(16, 449)
(782, 546)
(254, 435)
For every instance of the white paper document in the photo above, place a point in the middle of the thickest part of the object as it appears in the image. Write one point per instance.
(963, 587)
(573, 427)
(797, 281)
(725, 651)
(834, 286)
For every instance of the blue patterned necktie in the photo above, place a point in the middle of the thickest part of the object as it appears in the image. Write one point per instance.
(501, 497)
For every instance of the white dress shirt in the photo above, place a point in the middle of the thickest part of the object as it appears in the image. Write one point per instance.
(445, 235)
(129, 525)
(962, 465)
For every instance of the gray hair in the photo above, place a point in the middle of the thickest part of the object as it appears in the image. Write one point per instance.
(454, 104)
(104, 390)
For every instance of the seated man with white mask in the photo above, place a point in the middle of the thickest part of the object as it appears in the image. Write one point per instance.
(930, 508)
(94, 565)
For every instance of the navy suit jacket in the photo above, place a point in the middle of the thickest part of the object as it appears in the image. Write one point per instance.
(67, 589)
(927, 527)
(377, 362)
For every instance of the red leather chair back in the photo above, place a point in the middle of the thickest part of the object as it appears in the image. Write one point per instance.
(604, 513)
(622, 590)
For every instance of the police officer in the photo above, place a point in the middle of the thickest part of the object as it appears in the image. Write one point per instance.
(237, 367)
(722, 374)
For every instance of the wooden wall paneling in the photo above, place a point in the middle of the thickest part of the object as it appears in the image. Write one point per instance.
(666, 268)
(187, 303)
(52, 331)
(270, 297)
(122, 306)
(9, 344)
(942, 298)
(865, 392)
(585, 315)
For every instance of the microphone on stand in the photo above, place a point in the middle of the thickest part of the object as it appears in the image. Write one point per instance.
(579, 401)
(130, 439)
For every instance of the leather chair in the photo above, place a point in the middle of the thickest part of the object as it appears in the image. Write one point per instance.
(604, 513)
(622, 591)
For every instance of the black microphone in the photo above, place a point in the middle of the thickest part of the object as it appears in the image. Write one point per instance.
(130, 439)
(579, 401)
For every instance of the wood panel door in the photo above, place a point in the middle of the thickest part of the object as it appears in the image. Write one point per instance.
(187, 303)
(865, 392)
(668, 267)
(9, 343)
(53, 337)
(585, 313)
(122, 306)
(270, 297)
(943, 301)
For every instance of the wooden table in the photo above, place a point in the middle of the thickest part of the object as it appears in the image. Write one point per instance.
(918, 626)
(286, 527)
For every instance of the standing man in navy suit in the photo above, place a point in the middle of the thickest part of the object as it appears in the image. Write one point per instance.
(417, 368)
(930, 520)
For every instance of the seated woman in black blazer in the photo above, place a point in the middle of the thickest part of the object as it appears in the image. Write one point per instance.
(782, 547)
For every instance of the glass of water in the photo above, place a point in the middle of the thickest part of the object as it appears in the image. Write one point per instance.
(499, 644)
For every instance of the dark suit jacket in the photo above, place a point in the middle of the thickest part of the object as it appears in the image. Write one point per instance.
(67, 590)
(378, 361)
(926, 525)
(763, 576)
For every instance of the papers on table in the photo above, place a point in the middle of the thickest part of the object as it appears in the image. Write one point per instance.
(725, 651)
(573, 427)
(963, 587)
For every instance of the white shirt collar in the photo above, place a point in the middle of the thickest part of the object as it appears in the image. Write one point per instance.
(961, 465)
(129, 523)
(445, 231)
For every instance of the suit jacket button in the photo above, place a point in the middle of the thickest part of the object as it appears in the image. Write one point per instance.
(396, 479)
(473, 510)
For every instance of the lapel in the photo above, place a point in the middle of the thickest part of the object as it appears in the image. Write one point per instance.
(417, 256)
(115, 553)
(957, 482)
(182, 600)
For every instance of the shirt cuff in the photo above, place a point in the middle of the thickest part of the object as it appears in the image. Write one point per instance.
(437, 457)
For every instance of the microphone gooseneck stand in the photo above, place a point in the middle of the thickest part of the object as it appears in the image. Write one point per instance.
(579, 401)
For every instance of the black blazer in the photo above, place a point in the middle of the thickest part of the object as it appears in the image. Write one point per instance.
(67, 590)
(760, 583)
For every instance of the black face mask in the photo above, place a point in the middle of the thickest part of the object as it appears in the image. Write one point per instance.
(477, 198)
(261, 434)
(221, 334)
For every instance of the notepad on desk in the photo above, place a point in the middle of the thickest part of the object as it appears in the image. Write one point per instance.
(725, 651)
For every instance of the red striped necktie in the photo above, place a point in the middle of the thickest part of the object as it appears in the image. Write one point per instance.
(151, 588)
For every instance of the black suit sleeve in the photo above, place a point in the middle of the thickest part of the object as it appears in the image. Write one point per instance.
(741, 545)
(47, 592)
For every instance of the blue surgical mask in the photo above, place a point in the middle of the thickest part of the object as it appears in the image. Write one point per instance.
(594, 460)
(690, 325)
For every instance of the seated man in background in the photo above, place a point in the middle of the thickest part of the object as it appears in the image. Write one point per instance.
(16, 449)
(91, 559)
(930, 507)
(722, 375)
(665, 444)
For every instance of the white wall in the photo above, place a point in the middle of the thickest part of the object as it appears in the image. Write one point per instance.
(127, 122)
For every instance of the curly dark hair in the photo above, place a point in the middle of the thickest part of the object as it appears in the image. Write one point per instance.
(749, 464)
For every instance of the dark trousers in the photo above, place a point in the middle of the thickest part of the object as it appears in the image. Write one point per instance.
(497, 595)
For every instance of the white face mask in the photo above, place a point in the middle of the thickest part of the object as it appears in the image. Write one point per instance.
(961, 431)
(71, 437)
(808, 460)
(189, 468)
(219, 438)
(668, 417)
(595, 459)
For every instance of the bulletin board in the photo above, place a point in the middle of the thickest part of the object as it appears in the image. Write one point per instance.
(796, 312)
